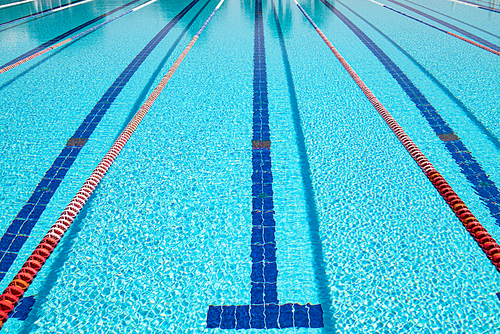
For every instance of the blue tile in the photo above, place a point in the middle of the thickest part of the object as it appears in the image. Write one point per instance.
(22, 309)
(243, 317)
(257, 253)
(256, 293)
(257, 316)
(270, 251)
(7, 261)
(301, 318)
(270, 272)
(214, 316)
(272, 313)
(25, 211)
(51, 172)
(17, 244)
(270, 293)
(27, 227)
(6, 241)
(315, 315)
(286, 316)
(257, 235)
(268, 234)
(228, 320)
(257, 275)
(15, 226)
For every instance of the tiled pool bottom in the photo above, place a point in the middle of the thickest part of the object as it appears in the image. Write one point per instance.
(279, 185)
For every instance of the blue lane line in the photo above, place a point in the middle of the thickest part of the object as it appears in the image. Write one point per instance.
(469, 166)
(66, 34)
(19, 230)
(414, 18)
(264, 311)
(446, 24)
(33, 16)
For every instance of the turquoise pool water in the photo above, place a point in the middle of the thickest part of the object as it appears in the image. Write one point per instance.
(359, 229)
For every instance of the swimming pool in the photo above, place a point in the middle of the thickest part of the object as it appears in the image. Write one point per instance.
(262, 191)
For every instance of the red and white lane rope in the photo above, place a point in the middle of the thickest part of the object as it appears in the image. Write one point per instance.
(482, 237)
(474, 43)
(70, 39)
(22, 281)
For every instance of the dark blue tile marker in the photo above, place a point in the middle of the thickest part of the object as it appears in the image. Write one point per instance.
(264, 310)
(469, 167)
(66, 34)
(22, 310)
(20, 228)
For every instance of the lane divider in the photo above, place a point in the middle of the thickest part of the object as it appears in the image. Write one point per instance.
(15, 3)
(45, 12)
(72, 38)
(20, 228)
(61, 37)
(470, 222)
(30, 269)
(484, 44)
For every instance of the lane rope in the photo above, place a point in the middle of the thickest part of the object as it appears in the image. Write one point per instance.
(30, 269)
(482, 46)
(69, 39)
(470, 222)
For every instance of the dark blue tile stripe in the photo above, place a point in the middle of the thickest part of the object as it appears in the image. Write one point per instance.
(23, 308)
(66, 34)
(469, 166)
(263, 246)
(446, 24)
(264, 311)
(19, 230)
(414, 18)
(265, 316)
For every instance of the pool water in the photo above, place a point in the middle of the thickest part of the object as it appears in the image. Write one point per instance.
(356, 230)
